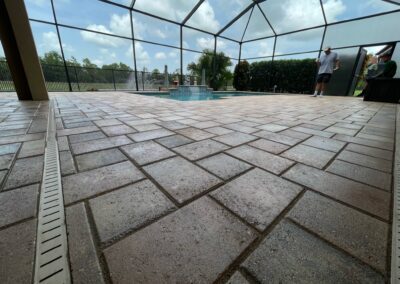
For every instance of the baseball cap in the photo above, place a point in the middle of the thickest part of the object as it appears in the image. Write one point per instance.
(327, 48)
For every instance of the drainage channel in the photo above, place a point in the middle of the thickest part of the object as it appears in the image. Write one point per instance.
(395, 269)
(51, 265)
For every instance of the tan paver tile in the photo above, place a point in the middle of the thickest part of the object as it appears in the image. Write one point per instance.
(224, 166)
(257, 196)
(147, 152)
(262, 159)
(356, 194)
(357, 233)
(201, 149)
(195, 244)
(128, 208)
(289, 254)
(86, 184)
(85, 267)
(180, 178)
(309, 155)
(367, 161)
(361, 174)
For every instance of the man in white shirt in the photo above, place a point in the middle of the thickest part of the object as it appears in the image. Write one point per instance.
(327, 63)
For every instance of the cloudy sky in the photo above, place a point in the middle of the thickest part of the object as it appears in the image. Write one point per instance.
(212, 15)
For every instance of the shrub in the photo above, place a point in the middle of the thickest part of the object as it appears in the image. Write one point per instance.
(241, 76)
(292, 76)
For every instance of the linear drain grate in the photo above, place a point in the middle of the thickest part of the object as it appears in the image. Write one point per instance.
(51, 250)
(395, 271)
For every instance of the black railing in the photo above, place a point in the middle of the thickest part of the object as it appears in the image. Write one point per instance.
(96, 79)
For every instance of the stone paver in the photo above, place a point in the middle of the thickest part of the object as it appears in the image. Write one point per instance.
(277, 137)
(309, 155)
(269, 146)
(272, 127)
(201, 149)
(147, 152)
(18, 204)
(291, 255)
(99, 159)
(128, 208)
(6, 161)
(257, 196)
(313, 131)
(174, 141)
(67, 163)
(86, 184)
(107, 122)
(76, 138)
(324, 143)
(25, 171)
(17, 248)
(151, 134)
(84, 262)
(359, 195)
(180, 178)
(237, 278)
(361, 174)
(365, 142)
(77, 130)
(262, 159)
(116, 130)
(224, 166)
(341, 130)
(218, 130)
(367, 161)
(359, 234)
(21, 138)
(100, 144)
(9, 148)
(195, 134)
(369, 151)
(194, 244)
(235, 138)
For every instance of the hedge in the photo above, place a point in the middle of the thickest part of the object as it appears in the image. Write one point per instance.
(289, 76)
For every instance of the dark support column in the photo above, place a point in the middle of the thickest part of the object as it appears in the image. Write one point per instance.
(181, 50)
(19, 48)
(214, 58)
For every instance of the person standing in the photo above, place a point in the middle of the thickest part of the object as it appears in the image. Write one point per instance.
(327, 63)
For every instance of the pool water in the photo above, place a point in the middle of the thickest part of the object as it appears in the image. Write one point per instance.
(204, 97)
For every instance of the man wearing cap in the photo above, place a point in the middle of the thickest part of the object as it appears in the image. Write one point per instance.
(327, 63)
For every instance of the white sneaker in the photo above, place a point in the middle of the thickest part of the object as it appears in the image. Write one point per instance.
(313, 96)
(320, 96)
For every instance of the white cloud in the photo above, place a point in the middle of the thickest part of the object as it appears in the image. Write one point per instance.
(121, 25)
(333, 9)
(174, 10)
(204, 19)
(172, 54)
(160, 55)
(204, 43)
(142, 56)
(160, 34)
(118, 25)
(100, 39)
(50, 43)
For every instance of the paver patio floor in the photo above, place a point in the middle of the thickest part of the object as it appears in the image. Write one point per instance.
(270, 189)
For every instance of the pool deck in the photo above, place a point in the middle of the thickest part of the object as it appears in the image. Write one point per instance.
(270, 189)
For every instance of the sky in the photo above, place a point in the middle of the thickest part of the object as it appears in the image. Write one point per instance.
(212, 15)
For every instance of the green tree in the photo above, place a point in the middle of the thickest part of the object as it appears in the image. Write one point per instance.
(73, 62)
(241, 76)
(117, 66)
(206, 61)
(88, 64)
(52, 58)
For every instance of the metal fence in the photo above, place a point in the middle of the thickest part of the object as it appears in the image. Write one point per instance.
(97, 79)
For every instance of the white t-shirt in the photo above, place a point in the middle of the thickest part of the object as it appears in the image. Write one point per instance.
(327, 62)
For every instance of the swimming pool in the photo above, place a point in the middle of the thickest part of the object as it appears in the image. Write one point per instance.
(203, 97)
